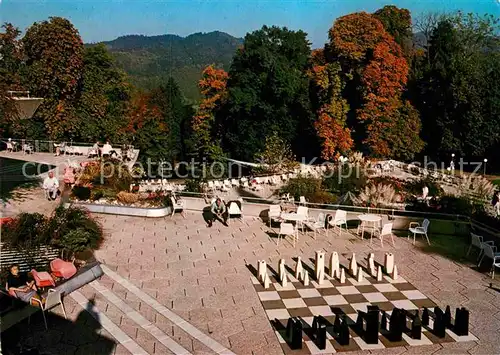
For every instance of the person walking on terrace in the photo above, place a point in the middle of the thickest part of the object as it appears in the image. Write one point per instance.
(218, 211)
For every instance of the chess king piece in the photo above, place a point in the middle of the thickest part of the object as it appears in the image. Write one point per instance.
(319, 266)
(343, 338)
(261, 270)
(461, 327)
(425, 317)
(334, 265)
(439, 328)
(353, 266)
(416, 327)
(372, 325)
(298, 268)
(389, 262)
(319, 331)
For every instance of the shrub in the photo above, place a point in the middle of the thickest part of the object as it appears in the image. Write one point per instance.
(97, 194)
(376, 196)
(25, 231)
(415, 187)
(194, 185)
(397, 184)
(81, 192)
(456, 205)
(127, 197)
(111, 173)
(159, 199)
(346, 178)
(65, 220)
(477, 186)
(310, 188)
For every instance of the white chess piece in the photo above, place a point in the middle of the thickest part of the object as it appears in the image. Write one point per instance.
(371, 264)
(389, 262)
(353, 266)
(267, 281)
(342, 276)
(319, 266)
(306, 278)
(261, 270)
(395, 272)
(360, 275)
(334, 265)
(379, 273)
(281, 269)
(284, 281)
(298, 268)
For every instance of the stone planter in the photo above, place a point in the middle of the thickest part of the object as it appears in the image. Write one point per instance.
(125, 210)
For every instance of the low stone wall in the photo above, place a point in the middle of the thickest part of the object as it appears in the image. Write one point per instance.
(125, 210)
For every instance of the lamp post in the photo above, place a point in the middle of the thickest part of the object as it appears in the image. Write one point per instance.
(484, 166)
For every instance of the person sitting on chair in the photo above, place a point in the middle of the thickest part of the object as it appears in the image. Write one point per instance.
(107, 150)
(51, 186)
(19, 286)
(10, 146)
(218, 212)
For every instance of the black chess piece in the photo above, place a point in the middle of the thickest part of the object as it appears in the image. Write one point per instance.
(425, 317)
(294, 333)
(343, 338)
(416, 327)
(461, 327)
(447, 317)
(336, 324)
(383, 321)
(372, 325)
(439, 328)
(395, 329)
(319, 331)
(402, 318)
(359, 323)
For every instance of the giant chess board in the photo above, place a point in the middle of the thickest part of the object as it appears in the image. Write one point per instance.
(332, 298)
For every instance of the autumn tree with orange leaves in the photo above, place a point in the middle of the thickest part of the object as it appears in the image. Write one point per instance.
(360, 43)
(213, 88)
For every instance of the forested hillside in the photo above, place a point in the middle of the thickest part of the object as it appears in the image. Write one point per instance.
(151, 60)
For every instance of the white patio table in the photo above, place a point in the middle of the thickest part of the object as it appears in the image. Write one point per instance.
(366, 219)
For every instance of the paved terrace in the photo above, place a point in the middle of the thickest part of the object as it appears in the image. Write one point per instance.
(160, 270)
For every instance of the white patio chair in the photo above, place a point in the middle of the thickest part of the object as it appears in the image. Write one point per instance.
(338, 220)
(257, 187)
(27, 149)
(234, 209)
(317, 223)
(227, 183)
(386, 231)
(54, 299)
(489, 251)
(288, 229)
(304, 212)
(478, 242)
(211, 185)
(217, 185)
(302, 200)
(274, 213)
(245, 184)
(496, 263)
(419, 229)
(235, 183)
(177, 205)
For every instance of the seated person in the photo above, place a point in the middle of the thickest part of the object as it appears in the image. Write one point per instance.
(69, 175)
(51, 186)
(218, 212)
(94, 151)
(18, 284)
(107, 150)
(10, 146)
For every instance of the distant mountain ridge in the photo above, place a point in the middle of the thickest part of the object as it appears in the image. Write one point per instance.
(150, 60)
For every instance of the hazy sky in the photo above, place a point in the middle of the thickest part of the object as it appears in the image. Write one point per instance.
(108, 19)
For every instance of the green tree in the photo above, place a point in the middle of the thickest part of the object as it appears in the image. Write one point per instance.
(277, 155)
(267, 91)
(102, 97)
(397, 22)
(54, 60)
(458, 91)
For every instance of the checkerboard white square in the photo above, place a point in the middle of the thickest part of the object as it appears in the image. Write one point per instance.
(364, 346)
(375, 297)
(414, 295)
(325, 284)
(294, 303)
(329, 349)
(269, 296)
(308, 292)
(335, 300)
(415, 342)
(321, 310)
(361, 306)
(406, 304)
(347, 290)
(385, 287)
(289, 287)
(277, 314)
